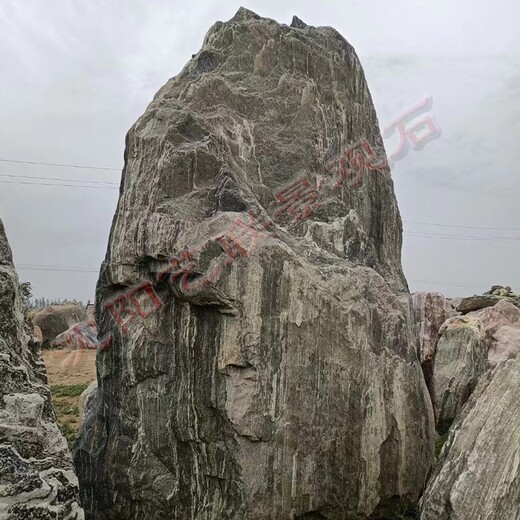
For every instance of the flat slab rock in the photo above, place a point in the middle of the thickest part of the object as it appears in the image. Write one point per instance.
(37, 479)
(475, 303)
(278, 379)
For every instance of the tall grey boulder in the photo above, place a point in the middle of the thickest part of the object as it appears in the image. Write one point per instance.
(478, 474)
(431, 310)
(273, 374)
(37, 480)
(460, 361)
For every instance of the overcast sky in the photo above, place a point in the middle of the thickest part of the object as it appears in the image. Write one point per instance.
(76, 75)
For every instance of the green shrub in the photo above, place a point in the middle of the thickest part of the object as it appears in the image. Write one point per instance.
(68, 391)
(439, 443)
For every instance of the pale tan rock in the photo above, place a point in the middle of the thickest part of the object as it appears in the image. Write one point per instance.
(56, 319)
(431, 311)
(460, 361)
(502, 326)
(78, 337)
(478, 475)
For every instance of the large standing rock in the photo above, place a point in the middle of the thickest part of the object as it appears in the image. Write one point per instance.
(279, 379)
(37, 480)
(478, 475)
(460, 361)
(56, 319)
(431, 311)
(502, 326)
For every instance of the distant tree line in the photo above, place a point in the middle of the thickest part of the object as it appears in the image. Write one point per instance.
(39, 303)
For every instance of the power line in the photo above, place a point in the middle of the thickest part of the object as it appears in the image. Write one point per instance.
(61, 165)
(113, 185)
(461, 227)
(109, 183)
(78, 269)
(420, 234)
(59, 185)
(449, 284)
(58, 268)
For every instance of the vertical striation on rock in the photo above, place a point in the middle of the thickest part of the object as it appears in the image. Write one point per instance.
(279, 378)
(461, 359)
(478, 474)
(502, 326)
(431, 309)
(37, 479)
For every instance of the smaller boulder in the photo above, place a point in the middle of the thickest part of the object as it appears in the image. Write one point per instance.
(38, 335)
(55, 319)
(460, 360)
(80, 336)
(494, 288)
(475, 303)
(502, 327)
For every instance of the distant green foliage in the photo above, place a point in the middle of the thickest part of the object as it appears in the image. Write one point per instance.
(64, 408)
(65, 400)
(68, 431)
(40, 303)
(68, 391)
(439, 443)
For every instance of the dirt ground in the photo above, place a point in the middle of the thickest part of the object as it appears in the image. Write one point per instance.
(66, 367)
(69, 374)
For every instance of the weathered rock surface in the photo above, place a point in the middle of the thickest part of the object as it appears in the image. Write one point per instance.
(474, 303)
(88, 403)
(80, 336)
(502, 326)
(460, 361)
(279, 378)
(431, 311)
(37, 480)
(488, 299)
(38, 335)
(478, 475)
(56, 319)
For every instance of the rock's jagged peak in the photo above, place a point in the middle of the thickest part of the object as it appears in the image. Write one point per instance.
(265, 105)
(299, 24)
(248, 19)
(244, 14)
